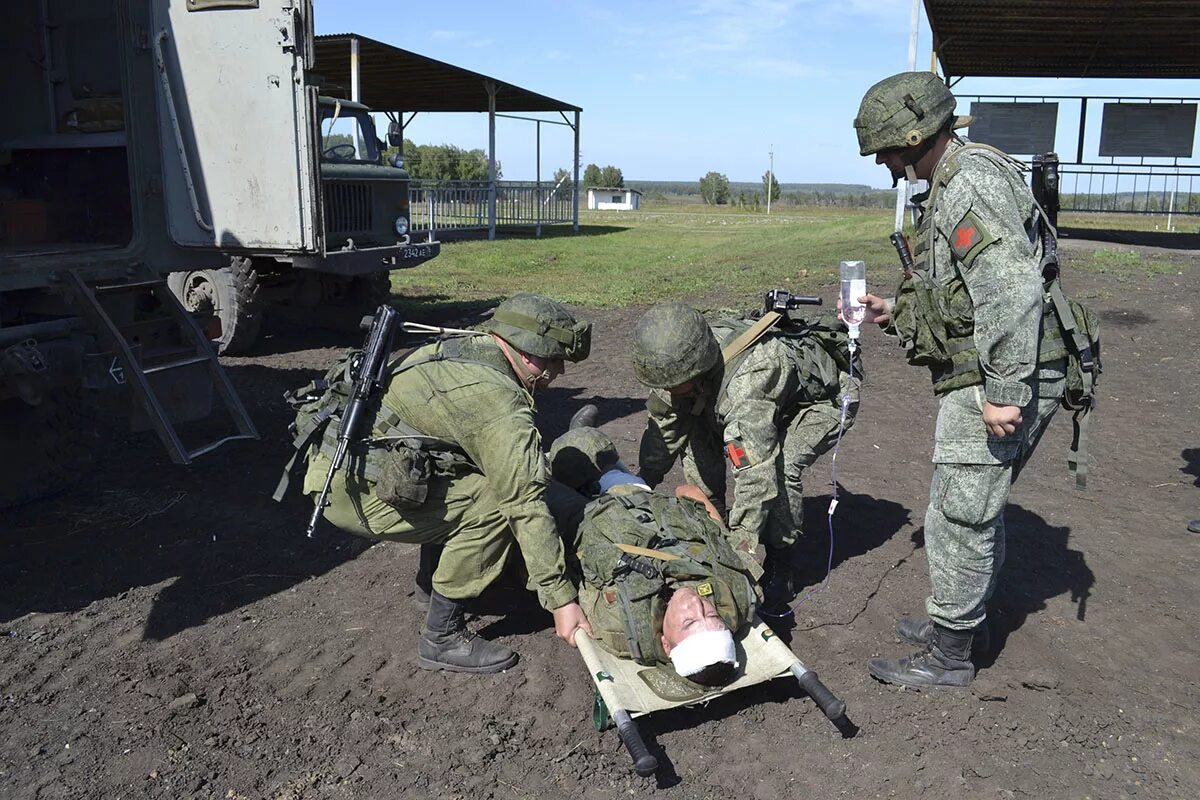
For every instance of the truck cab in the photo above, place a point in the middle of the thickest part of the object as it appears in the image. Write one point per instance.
(365, 212)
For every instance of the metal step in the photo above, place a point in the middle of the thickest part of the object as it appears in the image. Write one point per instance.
(201, 352)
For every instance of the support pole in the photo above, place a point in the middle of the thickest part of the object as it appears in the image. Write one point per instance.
(770, 178)
(354, 69)
(538, 182)
(902, 188)
(491, 93)
(1082, 128)
(575, 192)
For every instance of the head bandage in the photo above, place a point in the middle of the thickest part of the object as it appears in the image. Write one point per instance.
(702, 650)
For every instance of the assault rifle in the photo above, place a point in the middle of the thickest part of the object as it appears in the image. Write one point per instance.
(782, 301)
(368, 373)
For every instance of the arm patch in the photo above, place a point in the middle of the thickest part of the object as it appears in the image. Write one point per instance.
(969, 238)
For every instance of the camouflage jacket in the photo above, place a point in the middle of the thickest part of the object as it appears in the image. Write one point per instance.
(479, 406)
(979, 225)
(749, 410)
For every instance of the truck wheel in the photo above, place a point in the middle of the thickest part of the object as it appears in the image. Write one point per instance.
(229, 294)
(47, 447)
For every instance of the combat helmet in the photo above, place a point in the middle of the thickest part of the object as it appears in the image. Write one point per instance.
(904, 110)
(541, 327)
(672, 345)
(580, 456)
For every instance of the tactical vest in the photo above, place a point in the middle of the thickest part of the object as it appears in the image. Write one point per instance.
(680, 545)
(936, 320)
(818, 344)
(319, 406)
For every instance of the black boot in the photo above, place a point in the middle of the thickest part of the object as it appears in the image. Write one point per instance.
(945, 661)
(431, 554)
(584, 417)
(919, 630)
(778, 582)
(448, 645)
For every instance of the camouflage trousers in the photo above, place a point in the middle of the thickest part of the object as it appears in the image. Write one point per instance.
(460, 513)
(973, 472)
(768, 498)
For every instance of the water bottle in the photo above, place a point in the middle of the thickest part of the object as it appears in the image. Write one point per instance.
(854, 286)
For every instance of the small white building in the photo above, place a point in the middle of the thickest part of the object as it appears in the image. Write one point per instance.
(603, 199)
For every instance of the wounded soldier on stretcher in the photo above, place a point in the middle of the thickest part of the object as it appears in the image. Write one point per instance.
(661, 582)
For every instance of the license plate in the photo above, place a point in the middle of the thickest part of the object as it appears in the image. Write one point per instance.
(416, 252)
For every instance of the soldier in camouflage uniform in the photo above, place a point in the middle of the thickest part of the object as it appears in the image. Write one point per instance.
(455, 460)
(771, 411)
(972, 311)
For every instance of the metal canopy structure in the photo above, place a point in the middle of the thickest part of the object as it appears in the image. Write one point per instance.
(1066, 38)
(393, 79)
(398, 82)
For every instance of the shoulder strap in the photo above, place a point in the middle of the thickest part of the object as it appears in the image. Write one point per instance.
(749, 336)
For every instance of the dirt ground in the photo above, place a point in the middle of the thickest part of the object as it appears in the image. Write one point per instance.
(171, 633)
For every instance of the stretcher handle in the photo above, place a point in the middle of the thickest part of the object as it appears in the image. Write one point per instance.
(644, 764)
(833, 708)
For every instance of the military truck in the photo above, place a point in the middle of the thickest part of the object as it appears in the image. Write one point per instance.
(139, 138)
(366, 222)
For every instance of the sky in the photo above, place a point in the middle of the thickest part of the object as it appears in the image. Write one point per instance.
(671, 89)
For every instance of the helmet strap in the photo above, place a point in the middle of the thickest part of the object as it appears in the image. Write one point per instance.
(529, 379)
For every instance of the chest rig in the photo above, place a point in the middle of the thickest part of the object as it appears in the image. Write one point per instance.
(934, 316)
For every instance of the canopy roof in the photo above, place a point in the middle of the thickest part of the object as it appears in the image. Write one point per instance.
(391, 79)
(1067, 38)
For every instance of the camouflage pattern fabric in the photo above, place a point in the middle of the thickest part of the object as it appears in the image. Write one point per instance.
(964, 522)
(977, 232)
(481, 513)
(775, 431)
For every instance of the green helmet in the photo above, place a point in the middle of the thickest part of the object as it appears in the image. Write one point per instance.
(672, 345)
(580, 456)
(541, 327)
(904, 110)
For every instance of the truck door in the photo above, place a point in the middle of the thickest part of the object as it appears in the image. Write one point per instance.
(236, 123)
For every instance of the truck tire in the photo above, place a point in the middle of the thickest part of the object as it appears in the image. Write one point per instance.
(230, 294)
(47, 447)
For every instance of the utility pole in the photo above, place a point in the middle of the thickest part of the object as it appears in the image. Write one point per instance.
(903, 187)
(770, 178)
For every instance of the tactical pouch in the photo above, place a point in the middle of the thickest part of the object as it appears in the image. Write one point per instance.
(917, 320)
(404, 474)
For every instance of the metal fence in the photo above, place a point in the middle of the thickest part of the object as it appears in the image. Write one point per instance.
(463, 205)
(1130, 189)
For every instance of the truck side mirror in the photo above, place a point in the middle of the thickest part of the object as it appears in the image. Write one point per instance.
(395, 134)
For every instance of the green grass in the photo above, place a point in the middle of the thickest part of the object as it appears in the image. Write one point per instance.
(629, 258)
(708, 256)
(1116, 260)
(1129, 222)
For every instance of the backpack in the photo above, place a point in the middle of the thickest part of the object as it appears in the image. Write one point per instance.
(679, 542)
(818, 342)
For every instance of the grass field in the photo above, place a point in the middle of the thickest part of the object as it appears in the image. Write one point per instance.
(704, 255)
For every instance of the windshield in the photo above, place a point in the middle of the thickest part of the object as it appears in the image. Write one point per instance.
(350, 137)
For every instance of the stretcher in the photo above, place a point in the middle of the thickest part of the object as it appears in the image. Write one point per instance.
(626, 689)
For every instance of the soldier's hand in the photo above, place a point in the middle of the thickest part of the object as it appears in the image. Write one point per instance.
(1001, 420)
(879, 310)
(693, 492)
(568, 620)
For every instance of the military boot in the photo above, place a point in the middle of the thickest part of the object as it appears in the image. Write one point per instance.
(584, 417)
(447, 644)
(919, 630)
(431, 554)
(945, 661)
(778, 582)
